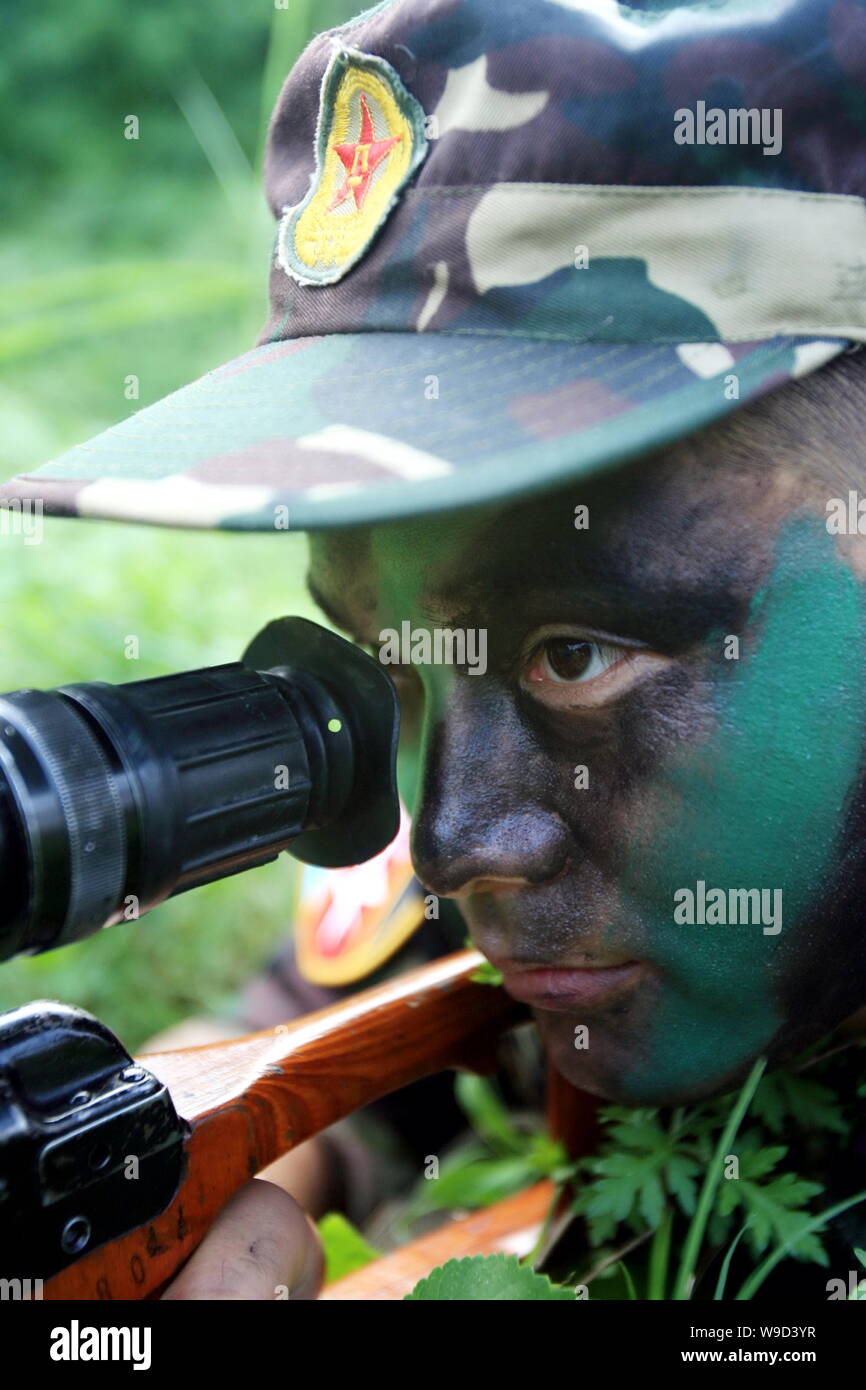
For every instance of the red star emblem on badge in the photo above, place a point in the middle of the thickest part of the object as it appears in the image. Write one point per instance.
(361, 159)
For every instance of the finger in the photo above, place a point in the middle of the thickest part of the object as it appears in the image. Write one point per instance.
(261, 1246)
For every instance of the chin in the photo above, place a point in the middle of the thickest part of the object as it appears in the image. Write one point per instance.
(613, 1071)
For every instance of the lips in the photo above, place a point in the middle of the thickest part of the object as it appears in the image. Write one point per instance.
(562, 990)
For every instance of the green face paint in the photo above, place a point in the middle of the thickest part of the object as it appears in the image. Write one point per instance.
(759, 805)
(732, 773)
(404, 558)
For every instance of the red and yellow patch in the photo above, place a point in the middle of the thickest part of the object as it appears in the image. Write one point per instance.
(369, 141)
(350, 921)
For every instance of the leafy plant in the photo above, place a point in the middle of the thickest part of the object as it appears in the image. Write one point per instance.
(785, 1096)
(692, 1172)
(345, 1249)
(774, 1202)
(490, 1277)
(487, 974)
(505, 1157)
(858, 1295)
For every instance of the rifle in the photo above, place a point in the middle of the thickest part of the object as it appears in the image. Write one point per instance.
(204, 1120)
(114, 798)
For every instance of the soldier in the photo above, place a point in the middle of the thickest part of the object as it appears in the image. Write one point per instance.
(550, 362)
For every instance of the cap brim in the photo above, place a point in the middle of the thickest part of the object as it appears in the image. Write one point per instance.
(348, 429)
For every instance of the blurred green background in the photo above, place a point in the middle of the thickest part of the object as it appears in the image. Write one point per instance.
(143, 257)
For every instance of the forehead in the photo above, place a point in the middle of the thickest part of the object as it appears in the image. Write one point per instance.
(688, 532)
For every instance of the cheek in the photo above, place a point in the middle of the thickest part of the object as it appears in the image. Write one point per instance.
(761, 800)
(759, 804)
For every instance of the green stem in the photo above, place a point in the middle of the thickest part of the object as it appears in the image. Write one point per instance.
(726, 1263)
(539, 1247)
(698, 1224)
(757, 1277)
(659, 1258)
(616, 1256)
(629, 1282)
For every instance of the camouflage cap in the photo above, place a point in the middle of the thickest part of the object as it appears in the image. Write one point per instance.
(519, 241)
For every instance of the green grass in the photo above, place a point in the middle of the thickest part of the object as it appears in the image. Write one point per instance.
(145, 258)
(192, 599)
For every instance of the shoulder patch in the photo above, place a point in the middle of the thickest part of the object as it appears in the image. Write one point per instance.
(370, 139)
(350, 921)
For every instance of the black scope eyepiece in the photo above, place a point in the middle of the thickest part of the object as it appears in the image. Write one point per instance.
(116, 797)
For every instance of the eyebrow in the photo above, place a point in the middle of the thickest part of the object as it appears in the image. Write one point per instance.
(668, 611)
(671, 610)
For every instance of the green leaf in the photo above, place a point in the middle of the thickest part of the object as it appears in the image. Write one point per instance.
(651, 1200)
(601, 1229)
(548, 1157)
(681, 1175)
(345, 1248)
(756, 1162)
(495, 1278)
(628, 1176)
(484, 1109)
(750, 1286)
(487, 974)
(638, 1129)
(778, 1211)
(776, 1208)
(615, 1190)
(477, 1184)
(807, 1103)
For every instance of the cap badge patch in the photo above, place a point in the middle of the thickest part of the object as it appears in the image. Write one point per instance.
(369, 141)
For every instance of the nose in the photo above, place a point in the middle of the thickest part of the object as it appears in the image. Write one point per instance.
(481, 822)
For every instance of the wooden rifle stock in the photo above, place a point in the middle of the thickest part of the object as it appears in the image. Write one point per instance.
(250, 1100)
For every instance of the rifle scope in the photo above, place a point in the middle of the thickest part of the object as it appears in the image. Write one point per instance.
(116, 797)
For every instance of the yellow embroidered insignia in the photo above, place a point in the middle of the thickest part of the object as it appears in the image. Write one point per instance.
(369, 141)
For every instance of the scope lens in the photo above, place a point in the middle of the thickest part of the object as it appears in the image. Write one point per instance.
(114, 798)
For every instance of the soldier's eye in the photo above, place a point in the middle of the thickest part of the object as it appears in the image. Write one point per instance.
(571, 670)
(567, 659)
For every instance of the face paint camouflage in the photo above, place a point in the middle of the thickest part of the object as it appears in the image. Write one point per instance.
(760, 806)
(735, 772)
(402, 576)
